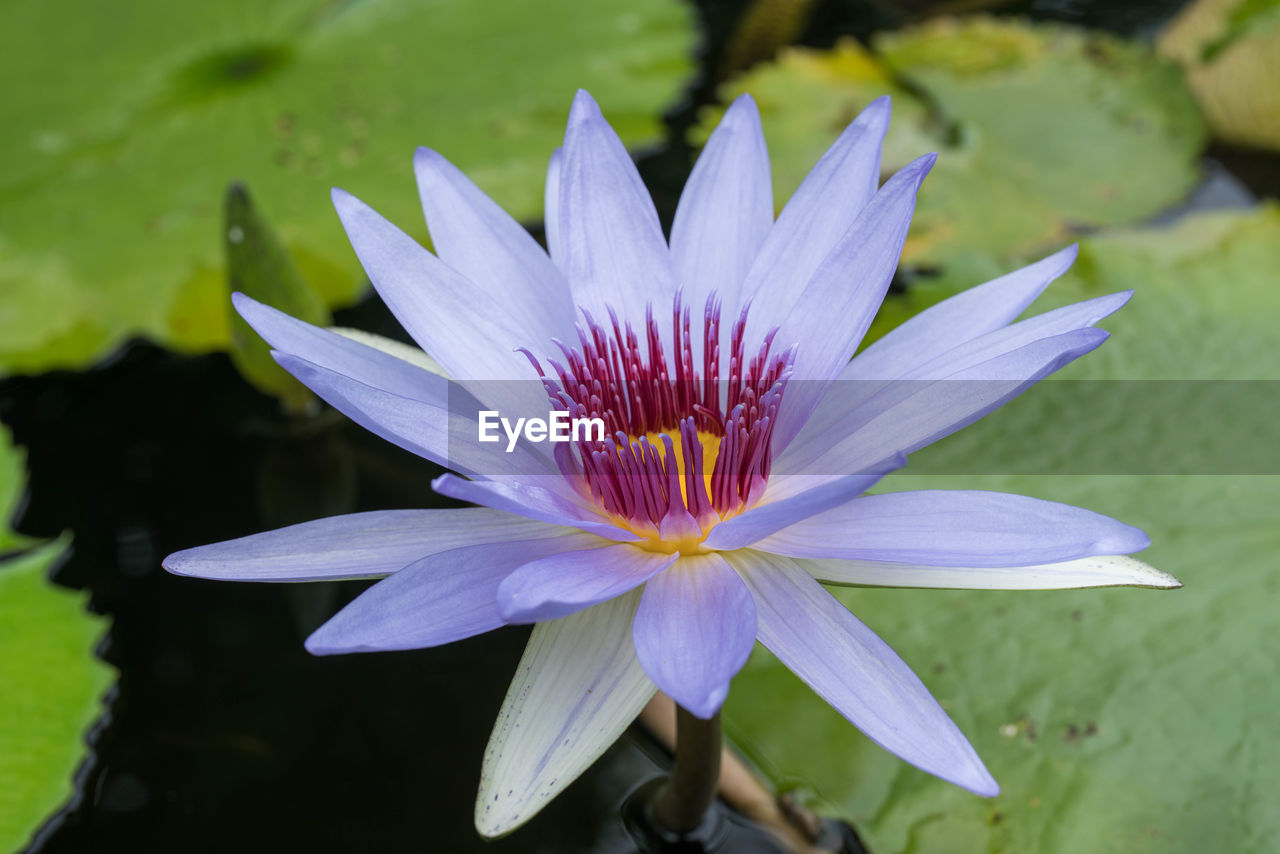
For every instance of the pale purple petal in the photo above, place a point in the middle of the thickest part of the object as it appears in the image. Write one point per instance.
(770, 516)
(420, 289)
(562, 584)
(856, 672)
(908, 415)
(480, 240)
(438, 432)
(420, 428)
(694, 630)
(998, 355)
(577, 688)
(957, 320)
(342, 354)
(531, 501)
(1098, 571)
(437, 600)
(838, 302)
(724, 214)
(358, 545)
(985, 349)
(818, 215)
(833, 312)
(956, 528)
(614, 251)
(367, 383)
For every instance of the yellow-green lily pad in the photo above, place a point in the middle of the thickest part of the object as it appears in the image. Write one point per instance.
(121, 127)
(1043, 130)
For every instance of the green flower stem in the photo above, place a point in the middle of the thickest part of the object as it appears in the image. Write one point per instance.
(682, 802)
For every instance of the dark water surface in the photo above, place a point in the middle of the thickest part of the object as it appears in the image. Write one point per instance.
(223, 734)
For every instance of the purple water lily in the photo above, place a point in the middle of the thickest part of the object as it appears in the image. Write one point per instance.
(742, 437)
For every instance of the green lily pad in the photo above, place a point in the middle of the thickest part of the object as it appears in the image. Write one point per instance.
(1042, 129)
(52, 681)
(1115, 720)
(113, 162)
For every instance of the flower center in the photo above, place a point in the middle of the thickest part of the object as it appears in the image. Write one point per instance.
(684, 447)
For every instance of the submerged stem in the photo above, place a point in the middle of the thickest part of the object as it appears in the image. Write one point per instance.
(684, 799)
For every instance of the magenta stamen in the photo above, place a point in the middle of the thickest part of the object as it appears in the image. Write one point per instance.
(637, 393)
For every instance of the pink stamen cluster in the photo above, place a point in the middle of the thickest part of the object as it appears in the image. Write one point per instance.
(636, 392)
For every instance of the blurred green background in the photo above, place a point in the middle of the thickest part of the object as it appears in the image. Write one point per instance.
(155, 156)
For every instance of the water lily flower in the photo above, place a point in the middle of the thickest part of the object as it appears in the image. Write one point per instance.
(743, 438)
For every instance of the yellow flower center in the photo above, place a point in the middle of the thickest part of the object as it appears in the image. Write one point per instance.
(691, 544)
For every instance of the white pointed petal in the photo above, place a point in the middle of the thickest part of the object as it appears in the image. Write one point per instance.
(392, 347)
(1100, 571)
(578, 687)
(551, 207)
